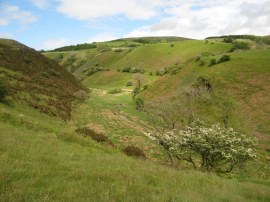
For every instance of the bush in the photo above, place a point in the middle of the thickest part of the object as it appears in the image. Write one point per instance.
(115, 91)
(3, 90)
(126, 69)
(95, 69)
(132, 70)
(145, 87)
(224, 58)
(45, 74)
(119, 50)
(198, 58)
(134, 151)
(139, 103)
(162, 72)
(212, 62)
(135, 92)
(202, 63)
(129, 83)
(53, 72)
(239, 46)
(59, 57)
(208, 148)
(227, 40)
(81, 95)
(98, 137)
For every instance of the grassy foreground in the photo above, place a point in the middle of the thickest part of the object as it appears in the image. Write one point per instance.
(43, 160)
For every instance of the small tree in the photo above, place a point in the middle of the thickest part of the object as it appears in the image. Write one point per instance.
(209, 148)
(138, 78)
(3, 91)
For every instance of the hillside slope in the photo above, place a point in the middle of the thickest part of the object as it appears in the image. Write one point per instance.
(42, 159)
(244, 80)
(36, 80)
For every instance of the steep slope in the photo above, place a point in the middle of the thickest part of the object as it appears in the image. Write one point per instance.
(37, 80)
(43, 160)
(242, 79)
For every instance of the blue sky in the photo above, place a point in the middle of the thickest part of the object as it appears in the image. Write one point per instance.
(47, 24)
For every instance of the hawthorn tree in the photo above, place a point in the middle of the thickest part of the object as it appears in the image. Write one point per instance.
(208, 148)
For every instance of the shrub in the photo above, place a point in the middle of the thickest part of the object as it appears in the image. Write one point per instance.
(240, 46)
(224, 58)
(134, 151)
(212, 62)
(145, 87)
(95, 69)
(126, 69)
(114, 91)
(53, 72)
(98, 137)
(119, 50)
(198, 58)
(45, 74)
(162, 72)
(59, 57)
(3, 90)
(135, 92)
(81, 95)
(150, 73)
(139, 103)
(208, 148)
(202, 63)
(175, 70)
(228, 40)
(132, 70)
(129, 83)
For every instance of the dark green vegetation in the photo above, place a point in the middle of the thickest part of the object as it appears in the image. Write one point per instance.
(35, 80)
(230, 38)
(45, 158)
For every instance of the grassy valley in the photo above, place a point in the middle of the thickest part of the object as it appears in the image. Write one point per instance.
(53, 95)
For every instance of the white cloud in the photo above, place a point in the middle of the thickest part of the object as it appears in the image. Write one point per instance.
(50, 44)
(9, 13)
(87, 10)
(40, 3)
(199, 19)
(6, 35)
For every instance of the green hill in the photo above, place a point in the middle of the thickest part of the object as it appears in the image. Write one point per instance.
(43, 158)
(35, 80)
(240, 96)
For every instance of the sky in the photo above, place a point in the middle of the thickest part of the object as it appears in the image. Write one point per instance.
(48, 24)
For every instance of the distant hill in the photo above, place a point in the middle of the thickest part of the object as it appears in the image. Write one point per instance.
(155, 39)
(124, 42)
(37, 80)
(264, 39)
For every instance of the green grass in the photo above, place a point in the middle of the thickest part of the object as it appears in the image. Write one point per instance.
(43, 160)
